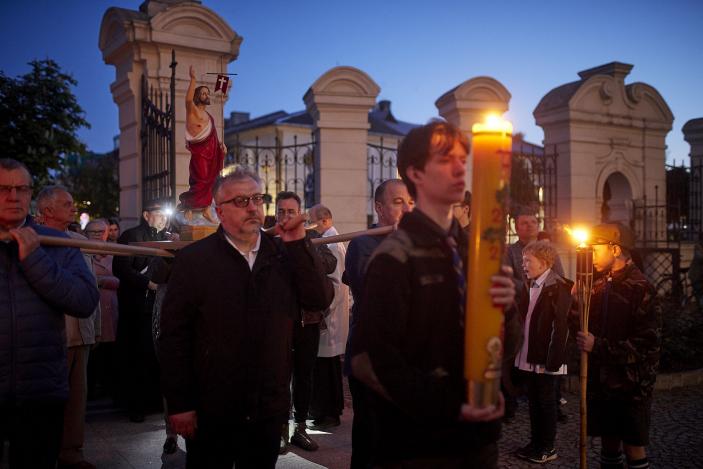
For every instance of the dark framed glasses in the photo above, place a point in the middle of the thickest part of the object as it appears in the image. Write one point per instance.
(21, 190)
(242, 201)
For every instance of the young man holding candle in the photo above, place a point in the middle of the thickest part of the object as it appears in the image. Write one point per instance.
(411, 341)
(544, 310)
(623, 342)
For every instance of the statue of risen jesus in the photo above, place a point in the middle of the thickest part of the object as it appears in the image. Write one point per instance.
(207, 153)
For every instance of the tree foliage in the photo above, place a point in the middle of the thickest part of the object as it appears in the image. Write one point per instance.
(39, 118)
(93, 181)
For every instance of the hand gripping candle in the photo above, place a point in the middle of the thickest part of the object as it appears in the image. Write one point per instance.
(491, 147)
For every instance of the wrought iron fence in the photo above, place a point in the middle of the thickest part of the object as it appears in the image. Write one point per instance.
(281, 167)
(382, 164)
(662, 267)
(158, 130)
(679, 217)
(533, 186)
(662, 225)
(533, 182)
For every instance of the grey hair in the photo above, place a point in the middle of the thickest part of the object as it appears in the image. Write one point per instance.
(234, 173)
(10, 164)
(95, 222)
(46, 196)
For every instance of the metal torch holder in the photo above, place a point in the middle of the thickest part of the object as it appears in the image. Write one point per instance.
(584, 285)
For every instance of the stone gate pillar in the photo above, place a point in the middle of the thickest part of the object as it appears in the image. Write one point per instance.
(140, 42)
(339, 102)
(469, 103)
(606, 132)
(610, 141)
(693, 134)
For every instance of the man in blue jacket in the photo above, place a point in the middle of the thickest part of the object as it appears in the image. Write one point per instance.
(38, 284)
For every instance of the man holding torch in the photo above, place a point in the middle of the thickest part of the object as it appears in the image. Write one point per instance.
(411, 341)
(623, 343)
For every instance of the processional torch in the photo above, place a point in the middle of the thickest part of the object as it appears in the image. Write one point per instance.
(584, 284)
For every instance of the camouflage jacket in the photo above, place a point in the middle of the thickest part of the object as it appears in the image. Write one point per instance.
(625, 320)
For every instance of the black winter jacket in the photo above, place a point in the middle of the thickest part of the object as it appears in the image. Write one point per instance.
(626, 322)
(133, 296)
(225, 344)
(34, 295)
(549, 323)
(411, 329)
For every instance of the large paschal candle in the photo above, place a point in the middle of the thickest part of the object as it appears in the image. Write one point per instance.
(491, 147)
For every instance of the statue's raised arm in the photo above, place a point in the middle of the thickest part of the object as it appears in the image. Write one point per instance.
(206, 153)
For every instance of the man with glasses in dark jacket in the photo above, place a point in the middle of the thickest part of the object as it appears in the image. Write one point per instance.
(39, 284)
(226, 329)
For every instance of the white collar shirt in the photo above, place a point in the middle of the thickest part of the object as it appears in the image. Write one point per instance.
(250, 256)
(521, 358)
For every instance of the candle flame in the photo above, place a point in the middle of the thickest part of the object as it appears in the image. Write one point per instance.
(579, 234)
(493, 123)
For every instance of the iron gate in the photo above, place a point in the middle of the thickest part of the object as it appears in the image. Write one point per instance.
(533, 182)
(158, 132)
(533, 185)
(382, 163)
(281, 167)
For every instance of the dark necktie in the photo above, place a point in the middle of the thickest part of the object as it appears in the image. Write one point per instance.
(458, 266)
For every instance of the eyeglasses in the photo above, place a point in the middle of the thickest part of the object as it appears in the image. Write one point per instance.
(21, 190)
(95, 232)
(242, 201)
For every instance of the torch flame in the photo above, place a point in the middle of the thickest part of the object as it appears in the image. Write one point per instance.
(579, 234)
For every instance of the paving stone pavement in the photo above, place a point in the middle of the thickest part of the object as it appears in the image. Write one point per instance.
(676, 439)
(112, 442)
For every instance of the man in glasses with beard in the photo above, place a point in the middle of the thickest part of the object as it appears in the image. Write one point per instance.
(226, 329)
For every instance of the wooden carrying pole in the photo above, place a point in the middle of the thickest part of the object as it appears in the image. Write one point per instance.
(381, 230)
(102, 246)
(584, 283)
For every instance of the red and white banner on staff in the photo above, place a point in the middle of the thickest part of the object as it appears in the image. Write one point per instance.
(222, 84)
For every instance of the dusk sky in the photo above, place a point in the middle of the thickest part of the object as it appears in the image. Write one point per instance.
(414, 50)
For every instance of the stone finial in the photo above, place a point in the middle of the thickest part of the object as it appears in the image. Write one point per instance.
(693, 131)
(468, 103)
(479, 93)
(616, 70)
(341, 91)
(152, 7)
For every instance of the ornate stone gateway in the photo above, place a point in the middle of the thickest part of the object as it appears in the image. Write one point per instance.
(157, 135)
